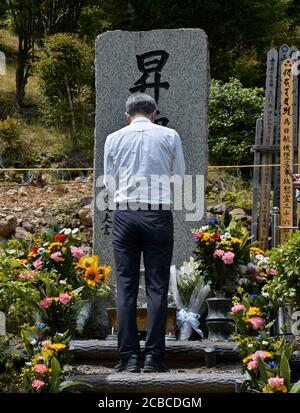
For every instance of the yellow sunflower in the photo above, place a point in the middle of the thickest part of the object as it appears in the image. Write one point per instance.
(92, 275)
(86, 262)
(104, 271)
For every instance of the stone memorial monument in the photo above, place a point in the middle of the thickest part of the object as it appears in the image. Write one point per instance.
(173, 67)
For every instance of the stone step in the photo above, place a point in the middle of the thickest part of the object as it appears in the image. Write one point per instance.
(214, 380)
(179, 353)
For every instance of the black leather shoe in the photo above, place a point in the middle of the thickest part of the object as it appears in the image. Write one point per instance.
(153, 365)
(131, 365)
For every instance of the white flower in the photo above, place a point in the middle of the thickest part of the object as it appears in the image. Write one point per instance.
(28, 363)
(60, 334)
(223, 237)
(41, 250)
(205, 228)
(266, 295)
(260, 257)
(11, 252)
(68, 231)
(46, 244)
(62, 231)
(75, 230)
(249, 345)
(264, 343)
(227, 235)
(33, 342)
(266, 260)
(63, 282)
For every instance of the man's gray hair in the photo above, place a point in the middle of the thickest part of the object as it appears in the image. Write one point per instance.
(140, 103)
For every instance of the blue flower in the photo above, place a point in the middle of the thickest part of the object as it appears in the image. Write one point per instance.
(213, 221)
(40, 326)
(272, 364)
(39, 348)
(254, 296)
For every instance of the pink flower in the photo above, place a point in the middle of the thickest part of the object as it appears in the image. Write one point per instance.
(238, 308)
(257, 322)
(45, 302)
(56, 256)
(38, 263)
(38, 384)
(197, 236)
(40, 368)
(253, 364)
(64, 298)
(47, 344)
(219, 253)
(272, 271)
(77, 252)
(228, 257)
(262, 354)
(275, 382)
(29, 275)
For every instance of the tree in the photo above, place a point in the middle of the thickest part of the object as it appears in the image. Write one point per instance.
(65, 70)
(233, 111)
(32, 20)
(240, 32)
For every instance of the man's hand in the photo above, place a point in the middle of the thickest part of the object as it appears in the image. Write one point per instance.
(296, 181)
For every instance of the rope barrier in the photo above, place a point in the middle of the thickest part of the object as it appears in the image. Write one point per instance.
(92, 169)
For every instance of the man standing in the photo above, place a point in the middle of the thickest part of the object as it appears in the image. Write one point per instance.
(135, 156)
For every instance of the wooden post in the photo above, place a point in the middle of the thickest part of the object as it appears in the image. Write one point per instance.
(256, 174)
(268, 139)
(286, 147)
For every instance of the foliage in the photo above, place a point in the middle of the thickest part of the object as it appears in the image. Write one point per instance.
(9, 363)
(32, 21)
(233, 111)
(220, 252)
(18, 297)
(264, 357)
(46, 356)
(51, 277)
(229, 189)
(67, 93)
(285, 286)
(239, 32)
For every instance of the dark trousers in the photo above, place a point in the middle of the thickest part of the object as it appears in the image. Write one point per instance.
(150, 232)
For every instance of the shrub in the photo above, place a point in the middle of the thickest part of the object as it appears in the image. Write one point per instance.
(65, 71)
(233, 111)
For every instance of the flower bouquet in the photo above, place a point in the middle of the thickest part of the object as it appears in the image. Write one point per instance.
(220, 252)
(189, 293)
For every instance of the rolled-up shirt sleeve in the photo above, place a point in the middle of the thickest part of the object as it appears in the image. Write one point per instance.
(178, 163)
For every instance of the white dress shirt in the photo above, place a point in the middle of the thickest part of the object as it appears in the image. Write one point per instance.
(136, 156)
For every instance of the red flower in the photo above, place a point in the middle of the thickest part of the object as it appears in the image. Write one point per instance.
(60, 237)
(35, 249)
(216, 236)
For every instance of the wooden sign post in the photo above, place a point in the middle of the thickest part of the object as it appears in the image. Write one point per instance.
(268, 140)
(286, 147)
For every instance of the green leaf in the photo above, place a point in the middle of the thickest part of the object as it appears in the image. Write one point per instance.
(69, 383)
(55, 376)
(295, 388)
(262, 370)
(284, 370)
